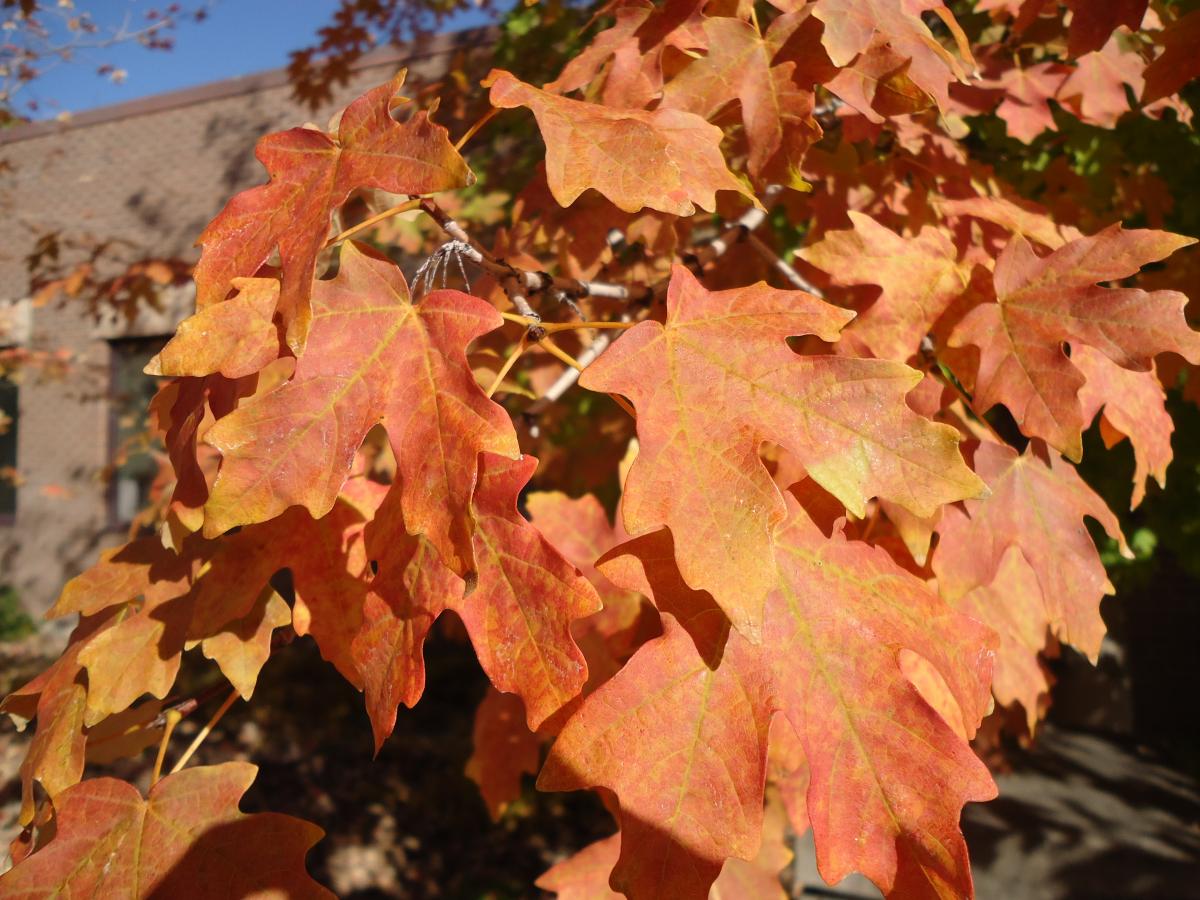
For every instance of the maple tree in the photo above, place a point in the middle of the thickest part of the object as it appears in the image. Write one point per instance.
(822, 516)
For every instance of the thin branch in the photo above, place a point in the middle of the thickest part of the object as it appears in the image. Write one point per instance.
(782, 267)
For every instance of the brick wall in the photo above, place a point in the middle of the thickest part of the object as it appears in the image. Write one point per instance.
(151, 172)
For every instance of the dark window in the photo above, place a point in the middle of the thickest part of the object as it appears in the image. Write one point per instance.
(8, 449)
(133, 449)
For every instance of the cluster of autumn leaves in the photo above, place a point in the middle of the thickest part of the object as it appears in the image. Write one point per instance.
(825, 566)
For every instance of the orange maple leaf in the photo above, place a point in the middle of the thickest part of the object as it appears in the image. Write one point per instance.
(888, 776)
(186, 839)
(1043, 301)
(312, 173)
(719, 379)
(373, 357)
(518, 613)
(666, 159)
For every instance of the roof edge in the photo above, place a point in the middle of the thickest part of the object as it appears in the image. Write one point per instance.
(409, 51)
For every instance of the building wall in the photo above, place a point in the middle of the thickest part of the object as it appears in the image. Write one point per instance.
(152, 173)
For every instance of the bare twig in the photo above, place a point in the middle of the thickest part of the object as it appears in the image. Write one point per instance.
(782, 267)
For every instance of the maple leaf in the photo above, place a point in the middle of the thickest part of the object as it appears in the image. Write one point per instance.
(585, 875)
(666, 159)
(1042, 302)
(1134, 406)
(373, 357)
(241, 648)
(504, 750)
(579, 529)
(715, 382)
(312, 173)
(1095, 90)
(851, 25)
(518, 614)
(1178, 63)
(1025, 109)
(1093, 23)
(888, 775)
(835, 624)
(738, 66)
(1016, 216)
(138, 651)
(630, 52)
(187, 838)
(876, 83)
(919, 277)
(672, 778)
(1037, 504)
(1011, 604)
(327, 566)
(235, 338)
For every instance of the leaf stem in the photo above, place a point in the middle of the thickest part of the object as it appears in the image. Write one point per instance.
(362, 226)
(508, 364)
(474, 129)
(204, 732)
(174, 716)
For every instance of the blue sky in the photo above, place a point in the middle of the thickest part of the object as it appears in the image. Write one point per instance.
(239, 37)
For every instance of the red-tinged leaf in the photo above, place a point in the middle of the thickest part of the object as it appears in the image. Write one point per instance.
(1011, 604)
(585, 875)
(877, 84)
(234, 338)
(1042, 302)
(312, 173)
(409, 592)
(1038, 506)
(241, 648)
(888, 776)
(373, 357)
(739, 66)
(1134, 405)
(677, 740)
(758, 879)
(919, 278)
(504, 750)
(1095, 90)
(519, 613)
(179, 410)
(1093, 23)
(851, 26)
(630, 53)
(1025, 109)
(1017, 217)
(717, 381)
(666, 159)
(579, 529)
(1178, 63)
(327, 567)
(787, 772)
(187, 839)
